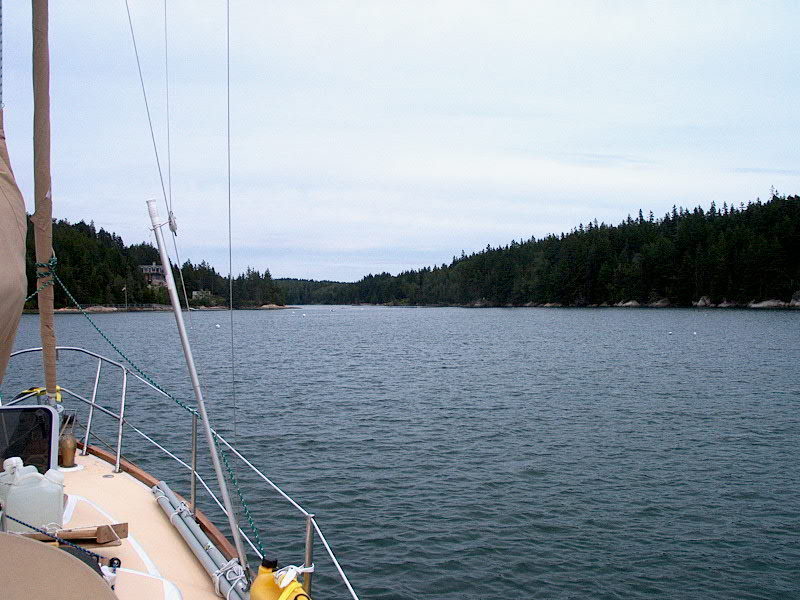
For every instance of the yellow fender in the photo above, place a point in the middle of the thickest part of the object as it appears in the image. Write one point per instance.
(293, 591)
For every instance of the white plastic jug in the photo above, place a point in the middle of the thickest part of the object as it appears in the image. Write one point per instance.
(10, 466)
(12, 470)
(37, 500)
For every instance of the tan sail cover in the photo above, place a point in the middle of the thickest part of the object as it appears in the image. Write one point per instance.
(42, 218)
(31, 569)
(12, 253)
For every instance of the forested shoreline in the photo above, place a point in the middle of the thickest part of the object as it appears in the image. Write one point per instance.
(725, 256)
(729, 256)
(99, 269)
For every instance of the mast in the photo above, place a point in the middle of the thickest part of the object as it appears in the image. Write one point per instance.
(43, 217)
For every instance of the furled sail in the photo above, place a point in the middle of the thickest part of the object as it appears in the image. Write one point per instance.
(13, 228)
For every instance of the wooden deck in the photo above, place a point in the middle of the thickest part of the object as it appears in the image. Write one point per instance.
(153, 551)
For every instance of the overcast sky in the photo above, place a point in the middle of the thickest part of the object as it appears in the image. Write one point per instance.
(383, 136)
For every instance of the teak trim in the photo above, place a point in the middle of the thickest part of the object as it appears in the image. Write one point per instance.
(211, 530)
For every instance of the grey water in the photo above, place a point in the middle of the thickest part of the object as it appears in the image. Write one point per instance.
(480, 453)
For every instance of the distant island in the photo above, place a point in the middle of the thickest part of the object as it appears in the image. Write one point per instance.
(745, 256)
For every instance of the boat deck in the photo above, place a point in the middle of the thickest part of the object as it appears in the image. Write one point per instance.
(156, 562)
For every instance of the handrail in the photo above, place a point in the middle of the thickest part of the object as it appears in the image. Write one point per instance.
(273, 485)
(99, 357)
(198, 478)
(120, 418)
(311, 521)
(72, 349)
(91, 408)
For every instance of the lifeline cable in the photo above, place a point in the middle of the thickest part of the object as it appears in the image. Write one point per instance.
(223, 455)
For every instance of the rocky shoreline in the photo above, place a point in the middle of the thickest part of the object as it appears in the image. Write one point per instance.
(101, 309)
(704, 302)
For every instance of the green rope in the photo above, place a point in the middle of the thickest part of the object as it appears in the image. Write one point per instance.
(94, 555)
(50, 266)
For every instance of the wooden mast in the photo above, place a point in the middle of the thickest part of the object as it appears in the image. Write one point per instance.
(43, 217)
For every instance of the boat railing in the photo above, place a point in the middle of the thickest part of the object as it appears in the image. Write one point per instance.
(119, 417)
(312, 528)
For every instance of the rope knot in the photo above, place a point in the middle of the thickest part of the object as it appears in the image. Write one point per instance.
(233, 573)
(289, 573)
(49, 266)
(49, 272)
(181, 509)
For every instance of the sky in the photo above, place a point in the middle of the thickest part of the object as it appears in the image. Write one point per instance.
(384, 136)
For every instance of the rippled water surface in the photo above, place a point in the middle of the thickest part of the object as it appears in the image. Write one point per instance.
(494, 453)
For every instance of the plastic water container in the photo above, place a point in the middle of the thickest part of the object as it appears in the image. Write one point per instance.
(12, 470)
(37, 500)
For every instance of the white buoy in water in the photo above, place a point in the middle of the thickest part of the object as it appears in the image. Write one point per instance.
(670, 333)
(217, 325)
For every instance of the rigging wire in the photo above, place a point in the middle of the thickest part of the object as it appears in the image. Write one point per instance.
(166, 87)
(230, 226)
(167, 197)
(146, 105)
(168, 202)
(173, 227)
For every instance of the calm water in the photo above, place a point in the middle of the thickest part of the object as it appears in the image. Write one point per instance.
(491, 453)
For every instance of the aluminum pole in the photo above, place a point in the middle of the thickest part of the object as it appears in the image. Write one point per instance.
(85, 450)
(121, 419)
(201, 405)
(309, 558)
(193, 483)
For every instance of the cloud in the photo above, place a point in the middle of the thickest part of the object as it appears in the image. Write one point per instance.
(377, 135)
(767, 171)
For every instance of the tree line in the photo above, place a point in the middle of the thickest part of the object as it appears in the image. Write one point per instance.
(728, 254)
(98, 268)
(734, 254)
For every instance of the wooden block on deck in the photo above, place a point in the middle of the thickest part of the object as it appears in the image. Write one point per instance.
(100, 535)
(111, 533)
